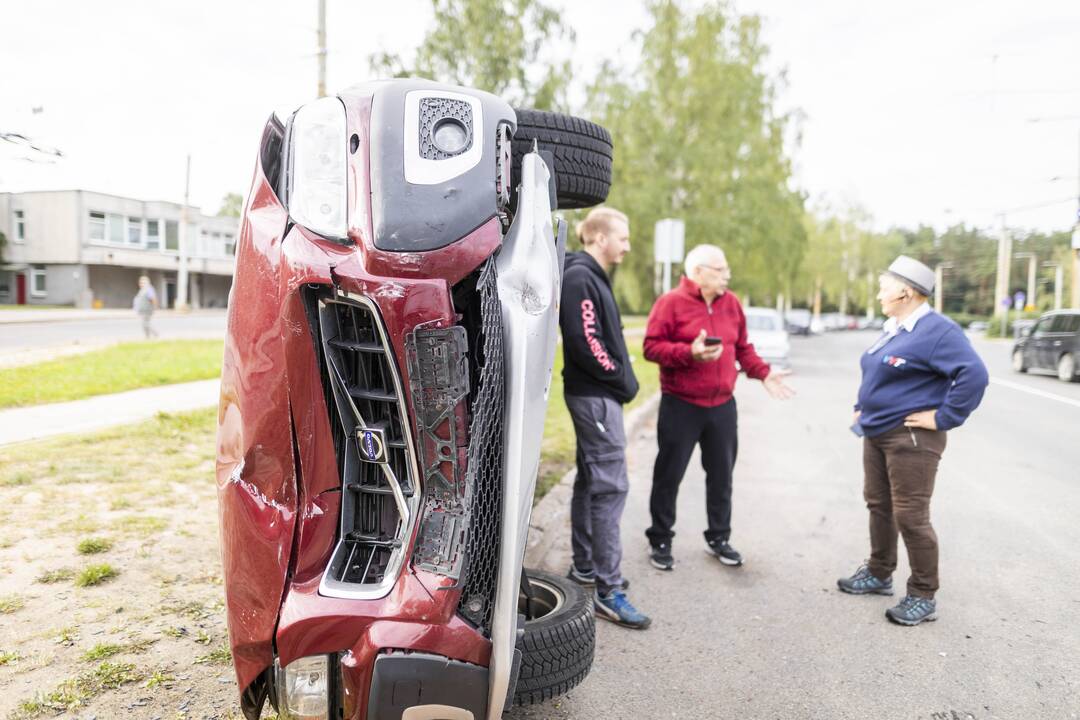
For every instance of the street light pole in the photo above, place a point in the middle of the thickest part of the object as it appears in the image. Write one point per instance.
(184, 249)
(1059, 279)
(1031, 275)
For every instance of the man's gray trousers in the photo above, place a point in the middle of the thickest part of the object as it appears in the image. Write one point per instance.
(599, 489)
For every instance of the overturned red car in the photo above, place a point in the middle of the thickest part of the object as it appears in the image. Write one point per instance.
(391, 332)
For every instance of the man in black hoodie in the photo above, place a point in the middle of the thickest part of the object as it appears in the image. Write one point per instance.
(597, 381)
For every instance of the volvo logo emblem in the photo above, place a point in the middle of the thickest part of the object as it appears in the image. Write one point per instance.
(372, 444)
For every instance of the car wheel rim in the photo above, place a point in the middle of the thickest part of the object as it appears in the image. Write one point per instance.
(1018, 360)
(1066, 368)
(547, 599)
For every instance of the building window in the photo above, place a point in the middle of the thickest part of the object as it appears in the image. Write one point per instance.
(230, 244)
(20, 226)
(134, 231)
(153, 237)
(172, 235)
(37, 281)
(97, 227)
(116, 229)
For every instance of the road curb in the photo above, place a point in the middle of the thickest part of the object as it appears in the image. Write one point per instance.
(551, 516)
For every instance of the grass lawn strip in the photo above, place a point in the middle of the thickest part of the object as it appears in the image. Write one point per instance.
(127, 366)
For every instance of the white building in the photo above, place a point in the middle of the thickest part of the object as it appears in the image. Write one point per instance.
(88, 249)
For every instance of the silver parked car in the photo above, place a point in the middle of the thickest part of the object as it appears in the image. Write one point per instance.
(765, 328)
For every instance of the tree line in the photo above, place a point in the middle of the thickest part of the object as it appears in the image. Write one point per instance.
(698, 136)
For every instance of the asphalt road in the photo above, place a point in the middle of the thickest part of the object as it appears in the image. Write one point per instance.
(101, 331)
(775, 639)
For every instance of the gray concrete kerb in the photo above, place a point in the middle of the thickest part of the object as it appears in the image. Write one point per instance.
(551, 516)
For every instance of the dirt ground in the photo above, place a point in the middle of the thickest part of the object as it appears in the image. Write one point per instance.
(148, 642)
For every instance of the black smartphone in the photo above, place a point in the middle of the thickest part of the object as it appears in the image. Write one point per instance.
(710, 341)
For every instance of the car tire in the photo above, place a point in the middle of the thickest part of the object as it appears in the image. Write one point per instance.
(1066, 368)
(557, 647)
(1018, 363)
(581, 151)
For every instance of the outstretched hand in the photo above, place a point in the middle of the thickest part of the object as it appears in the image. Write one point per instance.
(776, 387)
(702, 352)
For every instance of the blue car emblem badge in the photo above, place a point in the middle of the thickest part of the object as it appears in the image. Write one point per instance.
(372, 445)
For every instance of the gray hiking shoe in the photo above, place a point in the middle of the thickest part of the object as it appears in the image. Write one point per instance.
(913, 610)
(864, 583)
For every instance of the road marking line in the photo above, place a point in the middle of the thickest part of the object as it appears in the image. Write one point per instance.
(1033, 391)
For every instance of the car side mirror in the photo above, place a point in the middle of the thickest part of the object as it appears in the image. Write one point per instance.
(1025, 332)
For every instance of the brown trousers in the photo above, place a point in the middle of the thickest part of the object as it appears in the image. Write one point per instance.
(900, 466)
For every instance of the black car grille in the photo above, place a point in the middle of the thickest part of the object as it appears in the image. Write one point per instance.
(369, 436)
(485, 457)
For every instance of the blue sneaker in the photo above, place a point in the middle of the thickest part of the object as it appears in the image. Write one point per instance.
(614, 606)
(913, 610)
(864, 583)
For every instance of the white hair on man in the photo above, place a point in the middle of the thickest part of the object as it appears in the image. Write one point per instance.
(701, 255)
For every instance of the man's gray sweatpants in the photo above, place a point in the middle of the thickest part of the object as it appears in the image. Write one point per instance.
(599, 489)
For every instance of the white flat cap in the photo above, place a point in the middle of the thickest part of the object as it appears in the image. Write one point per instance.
(914, 273)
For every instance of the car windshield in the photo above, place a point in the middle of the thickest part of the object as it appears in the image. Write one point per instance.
(762, 322)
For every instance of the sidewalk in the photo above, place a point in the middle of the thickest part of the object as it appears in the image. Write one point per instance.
(10, 317)
(96, 413)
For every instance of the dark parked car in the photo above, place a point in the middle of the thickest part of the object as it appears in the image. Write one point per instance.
(1053, 343)
(391, 334)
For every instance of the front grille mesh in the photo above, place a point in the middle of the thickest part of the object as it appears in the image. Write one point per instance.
(366, 405)
(485, 458)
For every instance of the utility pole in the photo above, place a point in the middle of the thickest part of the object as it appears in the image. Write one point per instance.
(939, 285)
(1076, 253)
(1059, 279)
(182, 270)
(322, 48)
(1004, 266)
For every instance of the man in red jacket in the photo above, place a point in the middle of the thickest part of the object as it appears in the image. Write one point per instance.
(696, 333)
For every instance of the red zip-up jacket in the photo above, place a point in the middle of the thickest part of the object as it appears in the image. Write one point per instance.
(675, 320)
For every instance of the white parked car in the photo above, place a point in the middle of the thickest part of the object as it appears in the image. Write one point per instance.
(765, 328)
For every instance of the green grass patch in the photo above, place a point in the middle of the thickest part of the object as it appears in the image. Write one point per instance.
(8, 657)
(558, 448)
(159, 678)
(75, 692)
(95, 575)
(55, 576)
(114, 369)
(67, 636)
(142, 525)
(122, 458)
(94, 545)
(220, 655)
(16, 479)
(101, 651)
(10, 604)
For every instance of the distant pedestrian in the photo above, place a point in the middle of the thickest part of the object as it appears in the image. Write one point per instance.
(597, 381)
(145, 303)
(697, 332)
(919, 379)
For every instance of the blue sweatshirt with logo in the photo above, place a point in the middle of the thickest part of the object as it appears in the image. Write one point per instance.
(932, 367)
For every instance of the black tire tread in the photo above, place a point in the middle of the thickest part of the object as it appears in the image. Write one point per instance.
(582, 150)
(556, 651)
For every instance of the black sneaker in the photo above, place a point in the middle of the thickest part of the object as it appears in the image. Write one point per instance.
(588, 579)
(913, 610)
(725, 553)
(660, 556)
(864, 583)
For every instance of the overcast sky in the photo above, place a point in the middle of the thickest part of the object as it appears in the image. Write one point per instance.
(918, 111)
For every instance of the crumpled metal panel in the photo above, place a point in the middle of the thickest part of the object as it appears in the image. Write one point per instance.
(255, 470)
(530, 280)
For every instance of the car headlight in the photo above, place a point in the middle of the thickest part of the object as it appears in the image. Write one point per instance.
(317, 168)
(303, 688)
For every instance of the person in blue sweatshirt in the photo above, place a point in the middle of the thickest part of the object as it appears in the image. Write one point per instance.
(920, 379)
